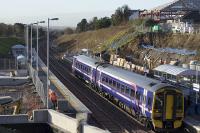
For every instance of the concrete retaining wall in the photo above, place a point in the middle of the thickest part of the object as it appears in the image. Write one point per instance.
(63, 121)
(40, 116)
(13, 119)
(91, 129)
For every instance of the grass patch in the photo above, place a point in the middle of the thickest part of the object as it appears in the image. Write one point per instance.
(7, 43)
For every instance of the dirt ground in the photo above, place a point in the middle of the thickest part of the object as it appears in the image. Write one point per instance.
(30, 100)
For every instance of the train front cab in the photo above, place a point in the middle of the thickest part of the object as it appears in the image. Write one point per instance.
(168, 109)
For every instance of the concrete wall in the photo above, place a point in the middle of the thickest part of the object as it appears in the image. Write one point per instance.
(40, 116)
(13, 119)
(63, 121)
(91, 129)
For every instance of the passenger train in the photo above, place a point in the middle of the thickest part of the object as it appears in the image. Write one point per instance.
(157, 105)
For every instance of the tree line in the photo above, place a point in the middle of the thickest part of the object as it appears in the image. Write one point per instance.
(17, 30)
(7, 30)
(120, 16)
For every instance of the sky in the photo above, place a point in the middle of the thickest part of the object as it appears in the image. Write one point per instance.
(69, 12)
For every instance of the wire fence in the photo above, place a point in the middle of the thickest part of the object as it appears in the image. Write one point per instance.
(8, 64)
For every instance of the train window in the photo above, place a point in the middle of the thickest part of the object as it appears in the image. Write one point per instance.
(122, 88)
(132, 93)
(118, 85)
(103, 79)
(137, 95)
(179, 103)
(110, 81)
(127, 90)
(114, 83)
(89, 70)
(159, 101)
(106, 80)
(149, 101)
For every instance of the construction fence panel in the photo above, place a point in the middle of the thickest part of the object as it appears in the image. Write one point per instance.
(40, 88)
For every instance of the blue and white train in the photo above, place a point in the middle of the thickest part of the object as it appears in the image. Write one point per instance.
(156, 104)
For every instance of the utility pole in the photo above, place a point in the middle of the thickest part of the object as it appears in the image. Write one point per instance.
(48, 59)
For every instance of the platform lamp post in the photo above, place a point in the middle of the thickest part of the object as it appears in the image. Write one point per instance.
(37, 27)
(49, 19)
(31, 44)
(197, 84)
(26, 32)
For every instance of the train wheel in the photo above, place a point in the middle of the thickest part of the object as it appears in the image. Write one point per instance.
(92, 85)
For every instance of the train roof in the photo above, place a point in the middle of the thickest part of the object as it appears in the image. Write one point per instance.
(131, 77)
(87, 60)
(125, 75)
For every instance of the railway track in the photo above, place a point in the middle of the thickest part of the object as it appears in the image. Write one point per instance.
(105, 113)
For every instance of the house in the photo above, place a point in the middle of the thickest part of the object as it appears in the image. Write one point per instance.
(191, 22)
(135, 14)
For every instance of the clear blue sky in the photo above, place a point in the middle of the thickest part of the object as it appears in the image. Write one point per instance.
(69, 11)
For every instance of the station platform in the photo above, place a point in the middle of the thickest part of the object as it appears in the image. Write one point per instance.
(192, 119)
(75, 102)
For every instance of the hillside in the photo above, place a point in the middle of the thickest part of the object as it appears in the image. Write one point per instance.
(127, 39)
(94, 40)
(7, 42)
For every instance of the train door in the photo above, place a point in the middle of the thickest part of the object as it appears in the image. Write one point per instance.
(169, 106)
(144, 97)
(73, 64)
(94, 76)
(98, 76)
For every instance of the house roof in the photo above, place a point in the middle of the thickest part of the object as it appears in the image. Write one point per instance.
(175, 70)
(179, 5)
